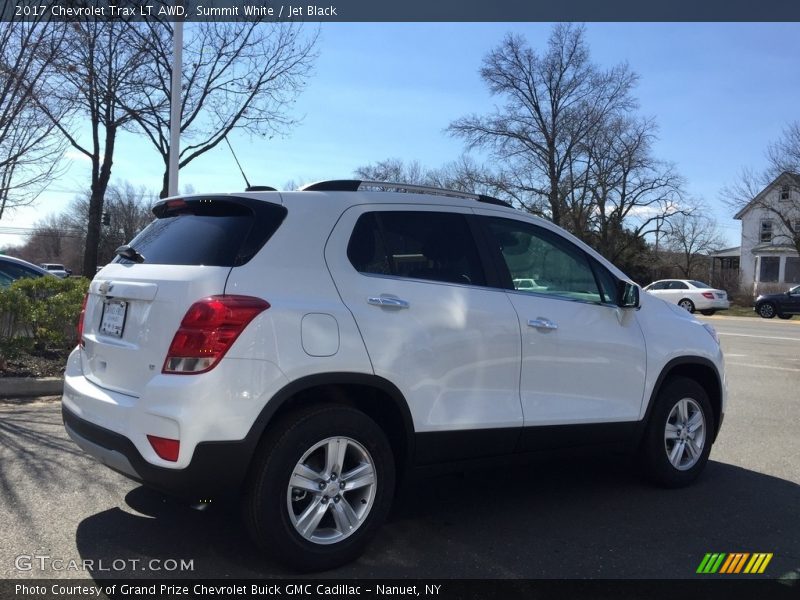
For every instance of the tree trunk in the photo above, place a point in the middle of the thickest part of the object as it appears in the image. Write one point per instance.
(96, 200)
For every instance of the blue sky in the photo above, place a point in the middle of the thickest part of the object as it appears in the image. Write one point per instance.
(719, 93)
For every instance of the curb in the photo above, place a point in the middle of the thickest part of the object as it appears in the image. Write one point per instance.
(17, 387)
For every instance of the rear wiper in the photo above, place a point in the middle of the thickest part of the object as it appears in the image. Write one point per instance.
(130, 253)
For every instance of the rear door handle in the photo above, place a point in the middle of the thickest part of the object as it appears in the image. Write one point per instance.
(542, 323)
(387, 301)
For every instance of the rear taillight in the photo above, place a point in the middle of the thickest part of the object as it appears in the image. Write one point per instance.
(208, 330)
(80, 319)
(708, 295)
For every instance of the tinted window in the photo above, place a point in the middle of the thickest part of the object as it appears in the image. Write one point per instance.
(699, 284)
(657, 286)
(212, 232)
(677, 285)
(10, 272)
(417, 245)
(557, 267)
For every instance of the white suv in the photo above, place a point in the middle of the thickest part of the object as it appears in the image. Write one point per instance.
(305, 349)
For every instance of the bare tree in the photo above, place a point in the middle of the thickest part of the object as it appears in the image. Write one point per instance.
(395, 170)
(236, 76)
(622, 186)
(29, 150)
(126, 212)
(783, 158)
(463, 175)
(690, 238)
(554, 101)
(101, 72)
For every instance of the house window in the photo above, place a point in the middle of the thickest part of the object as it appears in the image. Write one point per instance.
(766, 231)
(792, 274)
(785, 192)
(769, 269)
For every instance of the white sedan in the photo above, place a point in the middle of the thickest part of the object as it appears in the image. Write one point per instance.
(690, 294)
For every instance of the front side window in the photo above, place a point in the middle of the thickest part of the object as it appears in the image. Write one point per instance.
(555, 266)
(766, 231)
(417, 245)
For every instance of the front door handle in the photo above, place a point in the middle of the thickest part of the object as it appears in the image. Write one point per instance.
(542, 323)
(387, 301)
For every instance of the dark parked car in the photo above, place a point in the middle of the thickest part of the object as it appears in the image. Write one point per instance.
(784, 305)
(12, 269)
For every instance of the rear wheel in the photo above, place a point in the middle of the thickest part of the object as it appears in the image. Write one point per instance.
(321, 486)
(785, 317)
(767, 310)
(678, 439)
(687, 304)
(708, 312)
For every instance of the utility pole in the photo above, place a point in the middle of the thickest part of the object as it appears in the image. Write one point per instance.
(175, 107)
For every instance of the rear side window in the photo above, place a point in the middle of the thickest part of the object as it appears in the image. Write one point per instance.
(418, 245)
(217, 232)
(10, 272)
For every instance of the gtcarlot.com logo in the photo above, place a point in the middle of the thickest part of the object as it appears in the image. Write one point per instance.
(734, 563)
(45, 562)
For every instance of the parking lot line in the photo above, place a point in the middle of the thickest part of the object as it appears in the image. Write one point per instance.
(763, 337)
(735, 364)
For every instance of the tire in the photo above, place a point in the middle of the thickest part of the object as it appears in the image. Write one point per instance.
(708, 312)
(767, 310)
(338, 524)
(687, 304)
(785, 317)
(663, 461)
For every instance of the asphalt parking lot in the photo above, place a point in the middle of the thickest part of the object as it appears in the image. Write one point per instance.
(552, 519)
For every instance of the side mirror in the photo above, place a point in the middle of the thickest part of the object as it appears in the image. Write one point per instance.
(627, 295)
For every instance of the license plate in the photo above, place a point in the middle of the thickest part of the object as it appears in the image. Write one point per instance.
(113, 321)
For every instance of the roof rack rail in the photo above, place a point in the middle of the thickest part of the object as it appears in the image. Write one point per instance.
(355, 185)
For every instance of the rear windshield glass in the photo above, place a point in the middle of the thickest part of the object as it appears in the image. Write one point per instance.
(212, 232)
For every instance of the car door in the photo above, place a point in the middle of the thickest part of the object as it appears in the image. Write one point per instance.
(583, 357)
(793, 300)
(417, 287)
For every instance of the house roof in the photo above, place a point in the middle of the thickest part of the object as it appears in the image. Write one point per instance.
(727, 252)
(784, 178)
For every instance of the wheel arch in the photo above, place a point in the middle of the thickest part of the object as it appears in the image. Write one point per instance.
(375, 396)
(697, 368)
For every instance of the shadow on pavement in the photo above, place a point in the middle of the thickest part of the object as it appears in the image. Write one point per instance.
(554, 519)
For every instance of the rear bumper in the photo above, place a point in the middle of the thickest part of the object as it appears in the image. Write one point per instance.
(217, 469)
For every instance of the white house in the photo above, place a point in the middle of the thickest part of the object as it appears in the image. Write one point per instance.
(769, 259)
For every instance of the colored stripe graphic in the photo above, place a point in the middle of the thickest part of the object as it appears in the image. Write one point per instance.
(734, 563)
(758, 563)
(711, 563)
(729, 564)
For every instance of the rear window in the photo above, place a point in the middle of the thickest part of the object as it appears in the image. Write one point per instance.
(215, 232)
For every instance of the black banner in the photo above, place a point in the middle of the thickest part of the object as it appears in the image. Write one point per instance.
(706, 589)
(407, 10)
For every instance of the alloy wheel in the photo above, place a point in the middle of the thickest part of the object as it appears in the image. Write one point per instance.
(685, 434)
(331, 490)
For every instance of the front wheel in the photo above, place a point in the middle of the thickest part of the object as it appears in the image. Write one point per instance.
(321, 486)
(679, 433)
(767, 310)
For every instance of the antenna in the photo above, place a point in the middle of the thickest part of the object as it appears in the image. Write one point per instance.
(237, 161)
